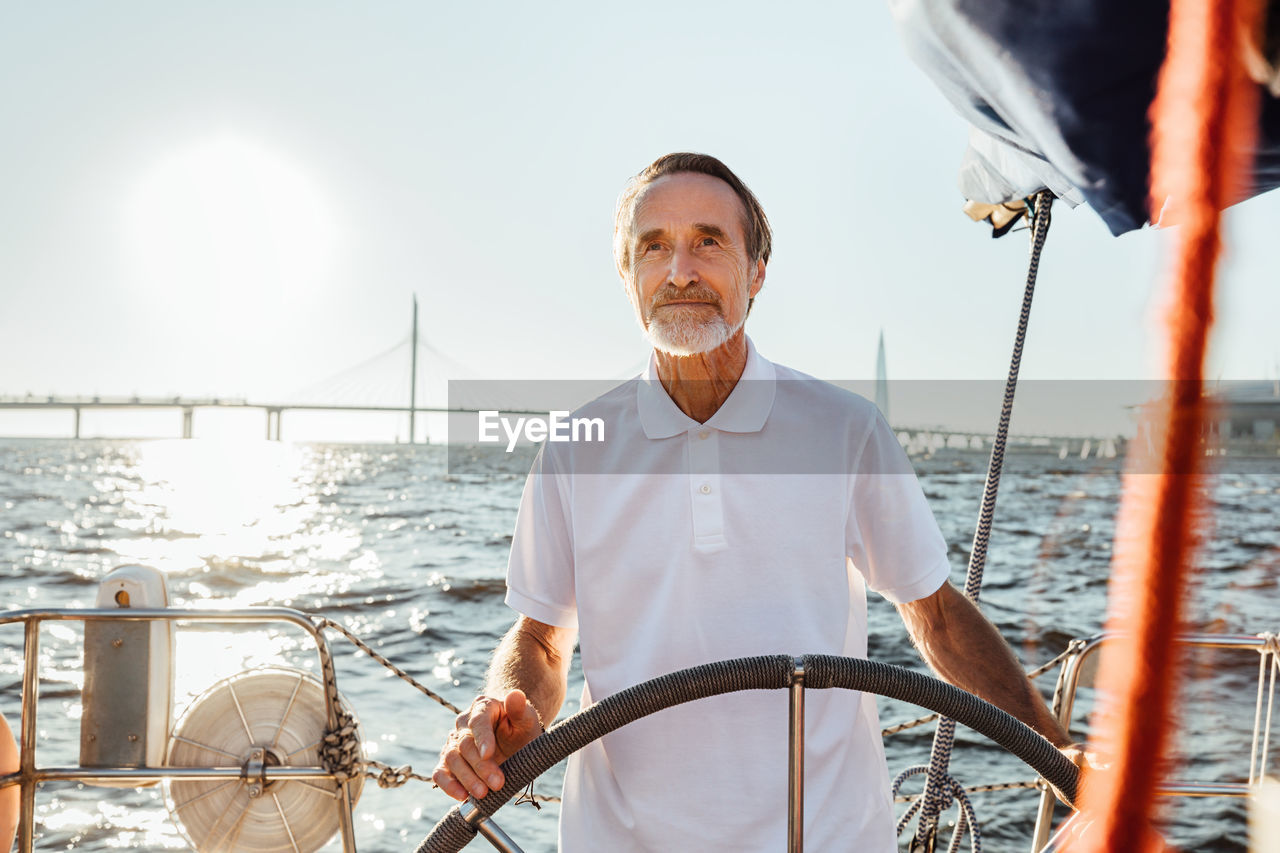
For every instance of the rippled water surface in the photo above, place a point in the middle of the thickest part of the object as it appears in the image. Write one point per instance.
(411, 557)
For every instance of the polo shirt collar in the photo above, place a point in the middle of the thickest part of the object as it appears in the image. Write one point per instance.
(746, 409)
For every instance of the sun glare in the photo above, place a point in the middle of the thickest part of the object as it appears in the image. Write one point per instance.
(215, 500)
(229, 221)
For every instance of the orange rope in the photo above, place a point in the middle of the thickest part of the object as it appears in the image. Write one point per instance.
(1203, 120)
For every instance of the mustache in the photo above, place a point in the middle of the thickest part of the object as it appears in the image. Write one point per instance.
(692, 293)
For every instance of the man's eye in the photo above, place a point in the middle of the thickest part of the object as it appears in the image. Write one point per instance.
(709, 241)
(652, 247)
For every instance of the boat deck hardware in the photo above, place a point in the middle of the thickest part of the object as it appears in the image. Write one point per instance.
(30, 774)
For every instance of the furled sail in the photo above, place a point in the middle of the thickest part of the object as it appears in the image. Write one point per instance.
(1058, 95)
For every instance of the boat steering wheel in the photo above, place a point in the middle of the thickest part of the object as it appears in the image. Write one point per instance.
(457, 828)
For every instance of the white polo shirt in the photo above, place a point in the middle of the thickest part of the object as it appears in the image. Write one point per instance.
(675, 543)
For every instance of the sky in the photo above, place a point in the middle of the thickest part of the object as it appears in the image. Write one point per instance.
(242, 199)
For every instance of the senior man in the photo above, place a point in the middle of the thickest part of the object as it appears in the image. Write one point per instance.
(718, 539)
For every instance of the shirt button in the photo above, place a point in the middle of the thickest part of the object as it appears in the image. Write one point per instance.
(704, 434)
(705, 489)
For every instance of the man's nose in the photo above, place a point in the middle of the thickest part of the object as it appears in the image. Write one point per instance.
(684, 271)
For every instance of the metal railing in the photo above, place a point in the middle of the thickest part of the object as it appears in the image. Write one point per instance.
(1264, 645)
(30, 774)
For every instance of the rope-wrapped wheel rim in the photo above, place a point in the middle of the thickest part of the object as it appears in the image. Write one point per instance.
(773, 672)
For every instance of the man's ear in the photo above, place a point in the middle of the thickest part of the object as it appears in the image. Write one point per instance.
(757, 280)
(633, 297)
(620, 264)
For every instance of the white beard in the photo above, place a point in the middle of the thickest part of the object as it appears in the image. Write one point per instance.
(685, 331)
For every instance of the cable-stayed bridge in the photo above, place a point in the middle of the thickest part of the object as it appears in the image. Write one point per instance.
(925, 440)
(413, 378)
(392, 381)
(410, 378)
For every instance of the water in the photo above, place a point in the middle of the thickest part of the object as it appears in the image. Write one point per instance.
(410, 557)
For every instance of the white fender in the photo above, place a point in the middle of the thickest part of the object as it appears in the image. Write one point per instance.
(128, 676)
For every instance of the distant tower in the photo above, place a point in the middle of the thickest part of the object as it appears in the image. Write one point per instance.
(413, 373)
(882, 380)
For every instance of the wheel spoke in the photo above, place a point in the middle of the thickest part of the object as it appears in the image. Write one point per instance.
(328, 792)
(232, 835)
(288, 830)
(239, 710)
(206, 746)
(275, 739)
(209, 836)
(198, 797)
(301, 749)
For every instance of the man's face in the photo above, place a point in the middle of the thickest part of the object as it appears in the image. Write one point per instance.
(690, 277)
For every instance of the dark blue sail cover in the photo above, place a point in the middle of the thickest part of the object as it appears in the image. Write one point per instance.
(1057, 93)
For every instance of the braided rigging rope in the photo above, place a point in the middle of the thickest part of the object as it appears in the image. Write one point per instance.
(938, 784)
(340, 749)
(1203, 117)
(968, 819)
(322, 623)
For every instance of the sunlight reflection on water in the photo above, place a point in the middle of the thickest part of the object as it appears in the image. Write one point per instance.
(222, 499)
(382, 540)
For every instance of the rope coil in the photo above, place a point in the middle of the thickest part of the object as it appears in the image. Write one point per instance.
(968, 819)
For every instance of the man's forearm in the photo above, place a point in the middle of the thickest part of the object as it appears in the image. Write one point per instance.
(535, 659)
(965, 649)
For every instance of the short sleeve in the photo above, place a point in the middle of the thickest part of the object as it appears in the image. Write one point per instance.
(891, 535)
(540, 570)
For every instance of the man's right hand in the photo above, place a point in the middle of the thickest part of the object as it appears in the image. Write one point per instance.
(485, 735)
